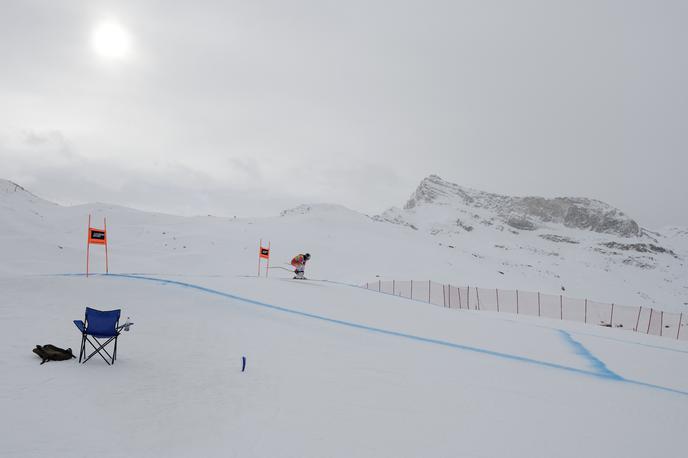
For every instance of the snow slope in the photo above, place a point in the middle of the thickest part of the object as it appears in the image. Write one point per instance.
(349, 246)
(333, 370)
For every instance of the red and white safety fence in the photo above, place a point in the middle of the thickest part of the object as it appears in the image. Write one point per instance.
(634, 318)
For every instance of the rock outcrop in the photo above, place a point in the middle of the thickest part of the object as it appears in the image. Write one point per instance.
(527, 213)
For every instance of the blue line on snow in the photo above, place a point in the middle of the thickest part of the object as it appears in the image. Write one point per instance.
(628, 342)
(580, 349)
(601, 370)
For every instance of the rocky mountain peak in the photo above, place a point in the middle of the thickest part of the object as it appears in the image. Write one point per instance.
(434, 189)
(524, 213)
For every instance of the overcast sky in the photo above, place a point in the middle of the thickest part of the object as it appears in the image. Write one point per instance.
(250, 107)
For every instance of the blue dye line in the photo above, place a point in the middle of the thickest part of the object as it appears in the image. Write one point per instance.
(603, 369)
(600, 369)
(657, 347)
(596, 363)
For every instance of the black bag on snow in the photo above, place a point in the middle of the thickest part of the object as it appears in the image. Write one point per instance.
(53, 353)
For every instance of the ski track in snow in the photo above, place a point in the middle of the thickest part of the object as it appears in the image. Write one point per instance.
(598, 367)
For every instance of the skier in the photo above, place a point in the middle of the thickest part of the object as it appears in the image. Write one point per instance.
(299, 263)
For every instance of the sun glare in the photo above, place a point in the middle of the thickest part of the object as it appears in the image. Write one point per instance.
(111, 40)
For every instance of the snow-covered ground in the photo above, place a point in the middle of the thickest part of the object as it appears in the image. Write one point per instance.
(332, 369)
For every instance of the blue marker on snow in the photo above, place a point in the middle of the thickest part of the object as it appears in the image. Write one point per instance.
(243, 363)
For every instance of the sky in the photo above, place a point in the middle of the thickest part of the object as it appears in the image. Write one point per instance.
(250, 107)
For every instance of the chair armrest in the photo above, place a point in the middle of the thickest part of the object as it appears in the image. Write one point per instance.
(80, 324)
(124, 326)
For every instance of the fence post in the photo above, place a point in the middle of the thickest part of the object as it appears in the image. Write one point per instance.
(497, 293)
(561, 307)
(458, 291)
(538, 303)
(516, 302)
(680, 319)
(449, 288)
(379, 286)
(444, 297)
(411, 289)
(429, 289)
(611, 317)
(649, 322)
(477, 295)
(468, 298)
(394, 287)
(585, 316)
(661, 322)
(637, 322)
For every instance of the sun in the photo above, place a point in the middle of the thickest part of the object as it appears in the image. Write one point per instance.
(111, 40)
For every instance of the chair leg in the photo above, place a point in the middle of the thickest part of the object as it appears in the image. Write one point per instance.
(82, 347)
(98, 350)
(114, 353)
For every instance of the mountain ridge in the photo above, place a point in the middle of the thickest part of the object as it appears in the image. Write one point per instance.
(525, 213)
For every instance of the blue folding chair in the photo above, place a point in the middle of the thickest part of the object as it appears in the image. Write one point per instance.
(99, 325)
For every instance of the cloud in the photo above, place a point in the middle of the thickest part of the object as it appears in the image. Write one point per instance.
(350, 102)
(46, 164)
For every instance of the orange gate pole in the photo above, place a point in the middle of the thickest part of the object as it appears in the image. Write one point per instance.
(260, 247)
(88, 242)
(107, 271)
(267, 268)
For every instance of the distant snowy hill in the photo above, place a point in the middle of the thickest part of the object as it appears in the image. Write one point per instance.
(14, 196)
(444, 232)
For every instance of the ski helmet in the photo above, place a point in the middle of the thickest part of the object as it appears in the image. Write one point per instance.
(307, 256)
